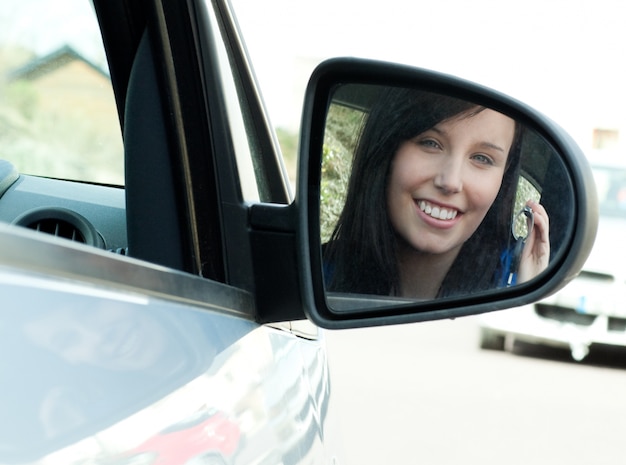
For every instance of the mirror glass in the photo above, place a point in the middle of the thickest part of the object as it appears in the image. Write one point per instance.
(426, 196)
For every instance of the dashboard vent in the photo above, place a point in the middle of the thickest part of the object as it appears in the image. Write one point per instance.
(58, 228)
(63, 223)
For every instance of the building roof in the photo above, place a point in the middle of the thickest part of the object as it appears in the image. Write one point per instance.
(45, 64)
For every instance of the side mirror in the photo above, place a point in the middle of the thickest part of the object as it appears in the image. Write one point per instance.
(422, 196)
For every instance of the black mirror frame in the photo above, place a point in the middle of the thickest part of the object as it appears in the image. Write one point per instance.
(562, 269)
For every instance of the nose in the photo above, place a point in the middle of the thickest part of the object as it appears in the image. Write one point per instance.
(449, 178)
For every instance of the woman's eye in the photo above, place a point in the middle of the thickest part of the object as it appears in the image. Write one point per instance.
(483, 159)
(429, 143)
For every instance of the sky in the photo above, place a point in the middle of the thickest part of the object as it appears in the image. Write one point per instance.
(44, 29)
(563, 57)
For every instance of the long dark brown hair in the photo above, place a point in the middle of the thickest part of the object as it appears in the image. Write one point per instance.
(361, 254)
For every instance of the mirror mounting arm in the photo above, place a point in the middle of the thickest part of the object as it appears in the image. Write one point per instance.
(276, 274)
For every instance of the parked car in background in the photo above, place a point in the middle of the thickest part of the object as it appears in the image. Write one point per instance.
(589, 310)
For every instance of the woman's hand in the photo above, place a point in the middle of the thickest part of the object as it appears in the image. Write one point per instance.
(536, 252)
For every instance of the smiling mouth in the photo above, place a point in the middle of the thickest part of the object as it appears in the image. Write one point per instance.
(437, 212)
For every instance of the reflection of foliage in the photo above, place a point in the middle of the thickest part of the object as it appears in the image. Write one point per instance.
(525, 192)
(343, 126)
(335, 175)
(536, 156)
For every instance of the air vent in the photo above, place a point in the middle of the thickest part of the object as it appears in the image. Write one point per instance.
(61, 222)
(58, 228)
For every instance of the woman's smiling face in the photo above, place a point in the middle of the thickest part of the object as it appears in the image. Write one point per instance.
(443, 181)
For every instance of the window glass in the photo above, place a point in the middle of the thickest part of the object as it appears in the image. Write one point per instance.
(243, 144)
(262, 174)
(241, 132)
(57, 109)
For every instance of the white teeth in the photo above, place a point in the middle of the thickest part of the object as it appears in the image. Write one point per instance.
(437, 212)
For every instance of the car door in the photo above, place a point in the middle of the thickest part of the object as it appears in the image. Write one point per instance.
(140, 344)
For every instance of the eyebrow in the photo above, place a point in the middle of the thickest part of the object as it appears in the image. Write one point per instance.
(492, 145)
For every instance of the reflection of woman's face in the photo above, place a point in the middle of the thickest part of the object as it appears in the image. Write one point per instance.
(443, 181)
(110, 336)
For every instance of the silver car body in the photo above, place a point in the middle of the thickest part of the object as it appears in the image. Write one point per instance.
(94, 373)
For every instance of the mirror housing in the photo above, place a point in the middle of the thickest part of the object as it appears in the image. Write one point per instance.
(337, 311)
